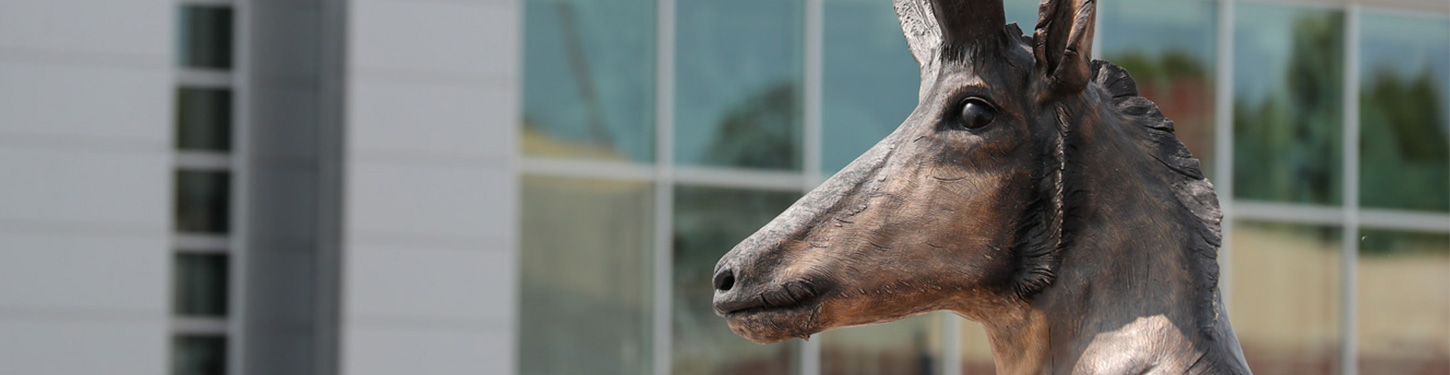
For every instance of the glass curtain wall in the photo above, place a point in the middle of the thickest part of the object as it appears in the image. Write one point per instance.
(1403, 320)
(654, 139)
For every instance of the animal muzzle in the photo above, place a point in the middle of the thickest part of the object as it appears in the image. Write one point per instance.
(734, 298)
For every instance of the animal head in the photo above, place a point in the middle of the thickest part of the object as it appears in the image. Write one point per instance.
(960, 208)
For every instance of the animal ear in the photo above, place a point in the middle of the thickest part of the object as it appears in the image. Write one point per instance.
(923, 32)
(1063, 44)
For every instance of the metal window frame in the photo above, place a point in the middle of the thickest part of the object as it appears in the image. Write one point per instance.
(664, 174)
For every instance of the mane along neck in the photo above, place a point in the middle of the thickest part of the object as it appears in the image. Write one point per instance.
(1130, 277)
(1191, 193)
(1116, 150)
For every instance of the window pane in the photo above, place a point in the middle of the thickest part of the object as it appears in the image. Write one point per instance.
(1169, 48)
(585, 303)
(1023, 12)
(870, 80)
(1404, 302)
(738, 83)
(201, 285)
(203, 119)
(707, 223)
(1287, 103)
(199, 355)
(905, 347)
(205, 37)
(589, 79)
(1286, 297)
(976, 350)
(1404, 80)
(202, 202)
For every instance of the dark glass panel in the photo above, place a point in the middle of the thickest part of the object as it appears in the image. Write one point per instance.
(203, 119)
(201, 288)
(203, 202)
(205, 37)
(199, 355)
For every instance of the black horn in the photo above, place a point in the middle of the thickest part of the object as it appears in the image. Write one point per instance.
(968, 22)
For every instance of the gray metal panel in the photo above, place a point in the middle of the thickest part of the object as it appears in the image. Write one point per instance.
(85, 129)
(291, 124)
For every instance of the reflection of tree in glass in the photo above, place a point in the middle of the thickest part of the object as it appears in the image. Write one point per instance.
(1406, 161)
(1182, 87)
(760, 132)
(708, 222)
(1287, 146)
(1171, 65)
(579, 66)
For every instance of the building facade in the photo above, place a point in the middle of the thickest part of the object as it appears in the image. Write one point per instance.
(543, 186)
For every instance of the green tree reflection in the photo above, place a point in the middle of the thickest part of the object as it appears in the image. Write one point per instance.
(1287, 146)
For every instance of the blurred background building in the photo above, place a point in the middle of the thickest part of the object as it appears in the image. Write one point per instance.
(543, 186)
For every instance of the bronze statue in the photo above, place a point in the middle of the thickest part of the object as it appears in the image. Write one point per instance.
(1031, 190)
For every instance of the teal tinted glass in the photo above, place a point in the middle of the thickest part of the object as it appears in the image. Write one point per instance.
(201, 285)
(707, 223)
(1404, 112)
(1168, 46)
(738, 83)
(585, 303)
(869, 79)
(1288, 99)
(589, 79)
(1023, 12)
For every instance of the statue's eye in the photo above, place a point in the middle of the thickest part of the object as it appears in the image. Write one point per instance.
(976, 113)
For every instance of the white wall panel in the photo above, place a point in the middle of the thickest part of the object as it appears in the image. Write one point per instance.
(434, 351)
(437, 38)
(138, 31)
(86, 93)
(464, 284)
(56, 270)
(429, 272)
(457, 121)
(55, 184)
(401, 201)
(93, 102)
(42, 345)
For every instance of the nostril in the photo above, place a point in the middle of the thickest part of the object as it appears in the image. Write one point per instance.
(724, 280)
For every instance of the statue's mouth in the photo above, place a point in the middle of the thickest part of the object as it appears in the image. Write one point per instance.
(786, 312)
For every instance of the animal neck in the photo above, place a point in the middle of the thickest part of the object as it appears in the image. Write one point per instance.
(1130, 293)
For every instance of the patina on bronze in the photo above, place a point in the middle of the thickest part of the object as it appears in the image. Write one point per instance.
(1031, 190)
